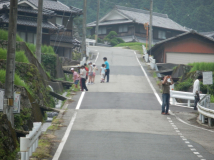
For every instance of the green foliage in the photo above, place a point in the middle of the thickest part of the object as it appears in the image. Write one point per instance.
(44, 49)
(4, 36)
(202, 66)
(212, 98)
(20, 56)
(113, 39)
(22, 118)
(132, 45)
(111, 35)
(184, 86)
(49, 63)
(197, 14)
(17, 80)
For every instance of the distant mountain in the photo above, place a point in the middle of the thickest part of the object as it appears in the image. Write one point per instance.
(195, 14)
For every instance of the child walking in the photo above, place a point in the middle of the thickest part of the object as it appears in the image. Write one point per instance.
(102, 73)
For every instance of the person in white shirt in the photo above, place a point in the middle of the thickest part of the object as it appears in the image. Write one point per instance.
(102, 73)
(83, 77)
(196, 90)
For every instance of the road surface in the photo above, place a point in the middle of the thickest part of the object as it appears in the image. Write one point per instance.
(121, 120)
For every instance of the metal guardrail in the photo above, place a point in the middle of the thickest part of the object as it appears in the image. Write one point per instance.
(205, 111)
(183, 95)
(29, 143)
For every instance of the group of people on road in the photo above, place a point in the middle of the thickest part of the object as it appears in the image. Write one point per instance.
(86, 74)
(167, 81)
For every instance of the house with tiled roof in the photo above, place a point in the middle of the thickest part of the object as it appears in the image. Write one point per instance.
(27, 21)
(63, 41)
(57, 25)
(130, 25)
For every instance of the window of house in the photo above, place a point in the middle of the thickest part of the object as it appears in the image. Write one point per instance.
(123, 28)
(22, 35)
(102, 30)
(161, 35)
(30, 37)
(59, 20)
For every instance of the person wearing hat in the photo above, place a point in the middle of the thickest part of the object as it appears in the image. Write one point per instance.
(75, 77)
(90, 72)
(94, 72)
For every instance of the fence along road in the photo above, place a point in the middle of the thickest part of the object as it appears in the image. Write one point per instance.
(122, 120)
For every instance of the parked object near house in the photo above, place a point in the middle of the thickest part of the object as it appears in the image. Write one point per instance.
(185, 48)
(129, 25)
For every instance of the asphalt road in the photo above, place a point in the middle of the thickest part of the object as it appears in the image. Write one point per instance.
(121, 120)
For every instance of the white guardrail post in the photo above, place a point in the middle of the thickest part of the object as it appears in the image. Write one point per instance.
(146, 56)
(205, 111)
(183, 95)
(29, 143)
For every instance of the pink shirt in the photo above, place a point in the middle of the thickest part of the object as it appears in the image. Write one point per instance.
(75, 76)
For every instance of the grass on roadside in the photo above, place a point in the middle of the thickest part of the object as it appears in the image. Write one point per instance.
(44, 147)
(202, 66)
(17, 80)
(132, 45)
(20, 55)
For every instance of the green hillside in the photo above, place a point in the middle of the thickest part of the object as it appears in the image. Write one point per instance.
(197, 14)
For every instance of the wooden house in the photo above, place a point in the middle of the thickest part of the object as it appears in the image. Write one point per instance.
(129, 23)
(185, 48)
(27, 21)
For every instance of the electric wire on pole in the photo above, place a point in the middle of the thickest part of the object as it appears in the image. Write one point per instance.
(10, 66)
(97, 22)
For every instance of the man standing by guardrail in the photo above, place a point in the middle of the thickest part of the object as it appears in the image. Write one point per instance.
(166, 94)
(196, 90)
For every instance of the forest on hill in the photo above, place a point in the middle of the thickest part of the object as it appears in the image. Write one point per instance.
(195, 14)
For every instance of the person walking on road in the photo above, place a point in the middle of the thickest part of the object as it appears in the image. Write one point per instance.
(107, 69)
(94, 72)
(83, 77)
(166, 94)
(75, 77)
(196, 91)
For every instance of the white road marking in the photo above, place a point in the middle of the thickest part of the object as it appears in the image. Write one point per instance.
(65, 137)
(153, 89)
(97, 56)
(196, 153)
(190, 146)
(193, 149)
(68, 130)
(80, 100)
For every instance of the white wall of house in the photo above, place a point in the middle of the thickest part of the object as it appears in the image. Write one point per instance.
(185, 58)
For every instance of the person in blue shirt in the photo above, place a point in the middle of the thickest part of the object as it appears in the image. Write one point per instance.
(107, 69)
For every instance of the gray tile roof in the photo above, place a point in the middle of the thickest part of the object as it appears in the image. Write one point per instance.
(143, 16)
(109, 22)
(181, 35)
(28, 22)
(65, 39)
(56, 6)
(208, 34)
(30, 10)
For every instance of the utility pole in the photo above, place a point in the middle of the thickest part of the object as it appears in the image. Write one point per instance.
(84, 29)
(150, 26)
(97, 23)
(10, 68)
(39, 31)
